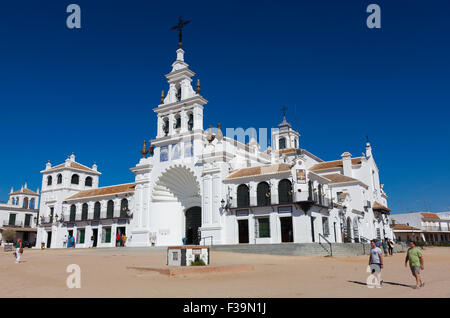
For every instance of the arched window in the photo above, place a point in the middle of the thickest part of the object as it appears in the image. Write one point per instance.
(97, 210)
(25, 203)
(84, 212)
(123, 207)
(165, 126)
(13, 201)
(88, 182)
(263, 194)
(177, 121)
(282, 143)
(59, 179)
(75, 179)
(17, 201)
(32, 203)
(110, 209)
(49, 180)
(73, 213)
(191, 121)
(284, 191)
(243, 197)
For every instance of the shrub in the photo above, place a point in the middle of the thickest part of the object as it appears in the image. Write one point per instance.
(9, 235)
(198, 262)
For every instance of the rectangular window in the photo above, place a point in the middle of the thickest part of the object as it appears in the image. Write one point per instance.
(12, 219)
(80, 236)
(263, 227)
(326, 226)
(27, 219)
(106, 235)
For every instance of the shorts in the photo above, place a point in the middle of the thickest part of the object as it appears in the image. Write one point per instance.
(415, 270)
(375, 268)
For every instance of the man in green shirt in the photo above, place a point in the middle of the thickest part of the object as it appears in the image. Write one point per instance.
(415, 258)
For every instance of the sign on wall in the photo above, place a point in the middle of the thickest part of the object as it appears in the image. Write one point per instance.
(301, 176)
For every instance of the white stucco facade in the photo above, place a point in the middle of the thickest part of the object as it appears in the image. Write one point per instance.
(194, 182)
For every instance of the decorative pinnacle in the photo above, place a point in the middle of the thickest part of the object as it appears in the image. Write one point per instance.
(198, 90)
(162, 97)
(144, 151)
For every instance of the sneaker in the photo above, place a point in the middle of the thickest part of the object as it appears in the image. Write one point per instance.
(417, 287)
(423, 284)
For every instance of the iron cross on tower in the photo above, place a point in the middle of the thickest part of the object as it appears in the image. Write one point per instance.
(179, 27)
(284, 109)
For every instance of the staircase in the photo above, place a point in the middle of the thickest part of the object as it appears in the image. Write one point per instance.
(298, 249)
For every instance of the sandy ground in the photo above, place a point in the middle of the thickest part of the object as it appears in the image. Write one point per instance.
(104, 273)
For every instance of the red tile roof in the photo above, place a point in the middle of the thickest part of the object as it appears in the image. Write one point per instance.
(428, 215)
(404, 227)
(123, 188)
(259, 170)
(333, 164)
(73, 165)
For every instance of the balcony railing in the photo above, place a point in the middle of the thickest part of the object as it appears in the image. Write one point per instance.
(13, 224)
(90, 217)
(314, 198)
(297, 197)
(46, 220)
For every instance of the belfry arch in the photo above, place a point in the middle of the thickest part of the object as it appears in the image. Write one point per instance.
(176, 205)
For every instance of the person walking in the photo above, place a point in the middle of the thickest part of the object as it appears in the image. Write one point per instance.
(69, 241)
(72, 242)
(383, 243)
(64, 241)
(416, 263)
(391, 247)
(19, 250)
(376, 261)
(92, 241)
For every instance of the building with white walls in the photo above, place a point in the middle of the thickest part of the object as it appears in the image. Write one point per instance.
(421, 226)
(20, 214)
(199, 186)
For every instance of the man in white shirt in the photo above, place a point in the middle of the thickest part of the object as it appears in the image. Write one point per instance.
(376, 261)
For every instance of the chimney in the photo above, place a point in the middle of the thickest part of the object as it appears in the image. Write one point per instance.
(347, 164)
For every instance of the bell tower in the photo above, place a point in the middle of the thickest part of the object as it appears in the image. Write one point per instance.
(181, 111)
(285, 137)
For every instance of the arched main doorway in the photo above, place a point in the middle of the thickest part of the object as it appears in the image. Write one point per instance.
(193, 222)
(176, 206)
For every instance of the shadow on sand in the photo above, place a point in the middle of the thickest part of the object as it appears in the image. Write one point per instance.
(389, 283)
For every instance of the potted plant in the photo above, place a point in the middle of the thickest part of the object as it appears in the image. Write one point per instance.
(8, 235)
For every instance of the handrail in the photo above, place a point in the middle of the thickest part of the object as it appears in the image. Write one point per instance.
(331, 248)
(205, 237)
(362, 239)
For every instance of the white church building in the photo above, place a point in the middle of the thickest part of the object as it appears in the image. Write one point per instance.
(197, 186)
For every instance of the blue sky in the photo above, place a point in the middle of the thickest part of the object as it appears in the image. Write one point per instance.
(91, 91)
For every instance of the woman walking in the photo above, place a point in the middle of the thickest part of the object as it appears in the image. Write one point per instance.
(19, 250)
